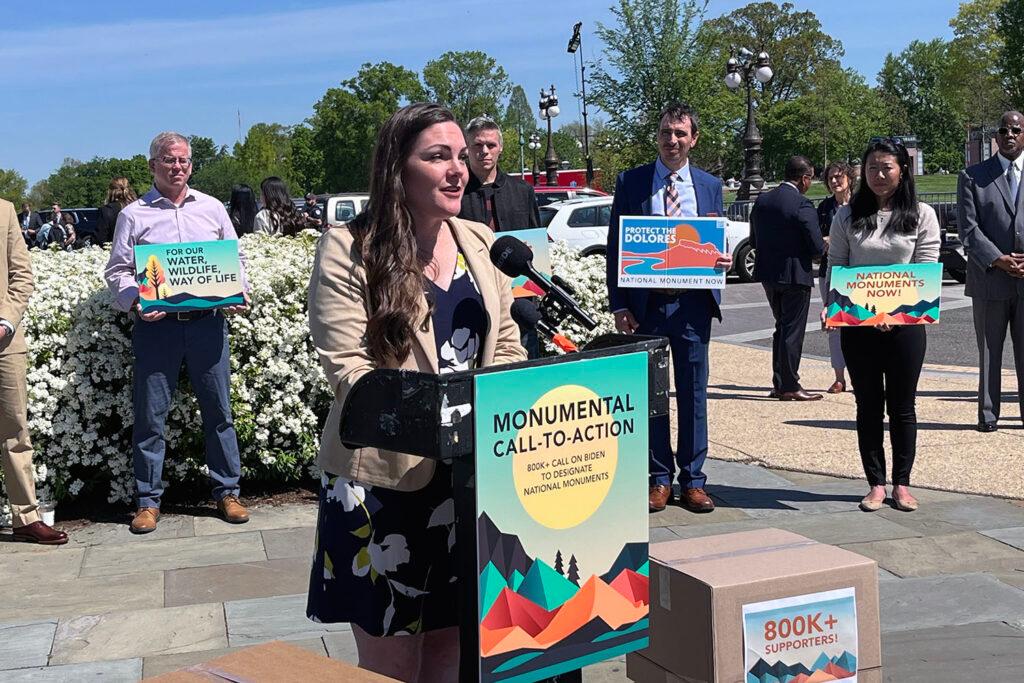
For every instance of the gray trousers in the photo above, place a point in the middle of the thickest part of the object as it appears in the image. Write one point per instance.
(991, 319)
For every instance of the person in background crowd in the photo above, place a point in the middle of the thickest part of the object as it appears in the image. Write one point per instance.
(56, 220)
(243, 209)
(30, 223)
(492, 196)
(119, 195)
(404, 286)
(839, 179)
(278, 215)
(15, 443)
(64, 234)
(672, 186)
(314, 213)
(172, 212)
(885, 225)
(786, 235)
(988, 219)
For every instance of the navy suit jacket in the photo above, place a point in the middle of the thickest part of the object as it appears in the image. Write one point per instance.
(633, 198)
(786, 234)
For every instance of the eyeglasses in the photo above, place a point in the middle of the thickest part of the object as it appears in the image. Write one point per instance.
(169, 161)
(1014, 130)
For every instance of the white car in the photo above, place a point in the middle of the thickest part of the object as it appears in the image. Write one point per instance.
(583, 224)
(341, 208)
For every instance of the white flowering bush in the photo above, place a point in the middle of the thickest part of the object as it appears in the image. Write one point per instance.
(586, 276)
(80, 368)
(79, 381)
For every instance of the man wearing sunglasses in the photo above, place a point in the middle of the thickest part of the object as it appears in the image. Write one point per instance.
(990, 219)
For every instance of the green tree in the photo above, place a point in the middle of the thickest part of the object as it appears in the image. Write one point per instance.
(795, 42)
(1010, 19)
(974, 77)
(346, 121)
(833, 120)
(78, 184)
(914, 84)
(518, 114)
(204, 151)
(469, 83)
(217, 177)
(13, 187)
(266, 151)
(307, 159)
(653, 56)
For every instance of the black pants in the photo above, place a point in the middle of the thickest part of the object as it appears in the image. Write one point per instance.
(885, 367)
(789, 305)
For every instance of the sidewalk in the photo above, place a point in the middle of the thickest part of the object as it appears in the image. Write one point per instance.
(117, 607)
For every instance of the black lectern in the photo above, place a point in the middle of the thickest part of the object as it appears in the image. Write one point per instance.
(534, 605)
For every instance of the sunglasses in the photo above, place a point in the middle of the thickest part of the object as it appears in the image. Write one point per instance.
(1012, 130)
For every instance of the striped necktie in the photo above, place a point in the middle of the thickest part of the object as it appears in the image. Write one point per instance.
(673, 205)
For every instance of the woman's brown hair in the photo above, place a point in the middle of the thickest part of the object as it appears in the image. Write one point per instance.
(120, 190)
(385, 239)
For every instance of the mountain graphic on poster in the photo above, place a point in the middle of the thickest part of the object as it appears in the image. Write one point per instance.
(825, 668)
(504, 551)
(546, 587)
(491, 585)
(633, 556)
(632, 586)
(920, 309)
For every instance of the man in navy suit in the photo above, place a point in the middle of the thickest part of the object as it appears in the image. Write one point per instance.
(785, 232)
(672, 186)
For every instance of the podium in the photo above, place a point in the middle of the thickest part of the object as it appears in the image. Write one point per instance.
(549, 466)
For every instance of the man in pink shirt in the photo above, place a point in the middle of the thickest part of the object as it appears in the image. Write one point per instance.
(173, 212)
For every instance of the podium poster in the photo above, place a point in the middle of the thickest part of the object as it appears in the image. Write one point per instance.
(671, 252)
(901, 294)
(561, 475)
(537, 240)
(188, 276)
(805, 637)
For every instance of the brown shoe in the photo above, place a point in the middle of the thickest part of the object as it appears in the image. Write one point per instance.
(799, 395)
(658, 496)
(697, 500)
(40, 533)
(837, 387)
(232, 510)
(145, 520)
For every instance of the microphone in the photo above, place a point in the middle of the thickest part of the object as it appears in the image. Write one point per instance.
(528, 315)
(514, 258)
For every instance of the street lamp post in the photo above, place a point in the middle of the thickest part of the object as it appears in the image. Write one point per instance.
(739, 71)
(549, 110)
(534, 145)
(574, 45)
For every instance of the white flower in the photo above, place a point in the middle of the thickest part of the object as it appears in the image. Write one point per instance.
(345, 491)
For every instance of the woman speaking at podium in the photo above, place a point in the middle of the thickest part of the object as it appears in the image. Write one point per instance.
(404, 285)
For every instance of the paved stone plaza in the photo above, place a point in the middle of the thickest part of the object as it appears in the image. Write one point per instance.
(115, 607)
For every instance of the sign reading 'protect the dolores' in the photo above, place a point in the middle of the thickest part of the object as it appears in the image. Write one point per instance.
(671, 252)
(900, 294)
(561, 451)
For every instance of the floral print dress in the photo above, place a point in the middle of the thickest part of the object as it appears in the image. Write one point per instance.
(385, 559)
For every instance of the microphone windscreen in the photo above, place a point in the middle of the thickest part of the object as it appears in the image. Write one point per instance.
(525, 313)
(511, 256)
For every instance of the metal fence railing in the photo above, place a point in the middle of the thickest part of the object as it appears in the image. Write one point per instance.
(944, 204)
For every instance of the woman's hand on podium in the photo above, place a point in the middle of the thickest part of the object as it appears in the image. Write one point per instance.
(625, 322)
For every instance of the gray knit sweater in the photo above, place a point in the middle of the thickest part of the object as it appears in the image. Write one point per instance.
(882, 247)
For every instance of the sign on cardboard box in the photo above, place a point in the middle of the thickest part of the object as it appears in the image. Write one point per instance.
(813, 635)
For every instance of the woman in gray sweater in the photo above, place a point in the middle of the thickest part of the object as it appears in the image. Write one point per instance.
(885, 225)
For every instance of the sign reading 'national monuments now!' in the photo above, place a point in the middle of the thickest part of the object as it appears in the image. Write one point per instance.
(900, 294)
(561, 472)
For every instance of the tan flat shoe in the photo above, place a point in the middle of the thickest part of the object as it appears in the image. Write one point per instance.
(868, 504)
(904, 505)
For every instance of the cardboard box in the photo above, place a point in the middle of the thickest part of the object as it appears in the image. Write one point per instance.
(642, 670)
(698, 589)
(273, 662)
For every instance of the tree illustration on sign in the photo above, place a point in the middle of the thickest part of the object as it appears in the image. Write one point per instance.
(574, 571)
(873, 309)
(156, 279)
(558, 563)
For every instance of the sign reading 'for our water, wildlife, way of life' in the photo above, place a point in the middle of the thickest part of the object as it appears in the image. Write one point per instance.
(671, 252)
(900, 294)
(188, 276)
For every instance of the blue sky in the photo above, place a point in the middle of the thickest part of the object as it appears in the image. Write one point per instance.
(87, 79)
